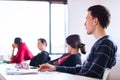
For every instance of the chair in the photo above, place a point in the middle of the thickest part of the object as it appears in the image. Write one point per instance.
(106, 74)
(1, 77)
(114, 72)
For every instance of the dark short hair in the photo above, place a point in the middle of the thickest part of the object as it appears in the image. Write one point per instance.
(18, 40)
(43, 40)
(102, 13)
(75, 42)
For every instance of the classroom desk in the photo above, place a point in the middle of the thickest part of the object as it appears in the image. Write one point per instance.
(41, 75)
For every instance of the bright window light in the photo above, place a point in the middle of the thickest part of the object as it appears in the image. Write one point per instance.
(30, 21)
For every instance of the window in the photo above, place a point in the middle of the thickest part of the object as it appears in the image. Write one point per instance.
(30, 21)
(58, 31)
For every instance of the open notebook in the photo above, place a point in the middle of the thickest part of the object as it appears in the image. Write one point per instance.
(21, 71)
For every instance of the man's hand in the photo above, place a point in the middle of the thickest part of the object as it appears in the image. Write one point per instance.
(46, 67)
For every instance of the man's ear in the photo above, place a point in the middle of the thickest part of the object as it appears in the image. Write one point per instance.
(95, 21)
(45, 44)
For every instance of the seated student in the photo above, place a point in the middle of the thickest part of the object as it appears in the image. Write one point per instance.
(43, 56)
(72, 57)
(23, 52)
(103, 52)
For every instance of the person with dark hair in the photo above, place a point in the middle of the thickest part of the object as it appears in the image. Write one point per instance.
(103, 52)
(72, 57)
(43, 56)
(23, 53)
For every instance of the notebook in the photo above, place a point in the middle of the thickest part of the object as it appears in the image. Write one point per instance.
(21, 71)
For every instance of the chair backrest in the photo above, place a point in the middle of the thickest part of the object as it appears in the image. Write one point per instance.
(106, 74)
(114, 72)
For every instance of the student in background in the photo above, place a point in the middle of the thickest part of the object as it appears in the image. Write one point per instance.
(103, 52)
(72, 57)
(43, 56)
(23, 52)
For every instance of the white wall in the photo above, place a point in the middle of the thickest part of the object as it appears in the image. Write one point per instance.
(77, 11)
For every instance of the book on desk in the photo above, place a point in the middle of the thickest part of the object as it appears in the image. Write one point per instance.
(21, 71)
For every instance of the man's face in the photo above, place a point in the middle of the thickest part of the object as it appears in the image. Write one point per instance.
(89, 23)
(40, 44)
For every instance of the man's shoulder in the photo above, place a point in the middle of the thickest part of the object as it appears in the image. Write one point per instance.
(106, 40)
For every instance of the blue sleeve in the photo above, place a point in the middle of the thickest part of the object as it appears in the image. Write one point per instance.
(72, 70)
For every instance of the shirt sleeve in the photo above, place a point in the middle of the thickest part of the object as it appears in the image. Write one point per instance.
(72, 70)
(32, 62)
(19, 57)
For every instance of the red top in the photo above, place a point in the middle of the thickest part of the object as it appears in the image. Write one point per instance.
(63, 58)
(23, 54)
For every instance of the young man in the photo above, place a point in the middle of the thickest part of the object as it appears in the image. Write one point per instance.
(43, 56)
(102, 53)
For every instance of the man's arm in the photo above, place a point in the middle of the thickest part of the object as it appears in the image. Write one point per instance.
(72, 70)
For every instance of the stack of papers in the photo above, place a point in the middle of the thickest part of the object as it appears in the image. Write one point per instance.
(21, 71)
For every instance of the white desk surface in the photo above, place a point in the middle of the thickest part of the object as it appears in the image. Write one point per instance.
(41, 75)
